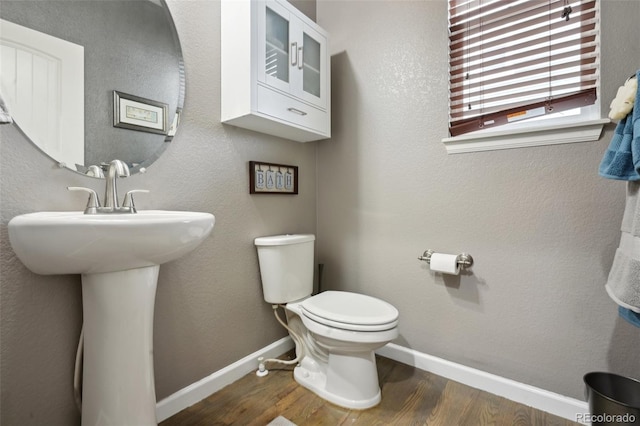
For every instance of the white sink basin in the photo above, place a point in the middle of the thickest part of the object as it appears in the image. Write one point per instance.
(76, 243)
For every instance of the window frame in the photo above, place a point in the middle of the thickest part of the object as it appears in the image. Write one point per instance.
(585, 126)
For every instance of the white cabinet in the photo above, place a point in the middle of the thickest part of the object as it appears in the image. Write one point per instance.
(275, 70)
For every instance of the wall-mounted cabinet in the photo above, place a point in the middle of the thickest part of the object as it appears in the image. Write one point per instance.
(275, 70)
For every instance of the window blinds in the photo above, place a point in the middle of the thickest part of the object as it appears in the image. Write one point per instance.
(511, 60)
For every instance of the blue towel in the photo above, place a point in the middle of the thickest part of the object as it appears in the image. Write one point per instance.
(622, 159)
(618, 160)
(630, 316)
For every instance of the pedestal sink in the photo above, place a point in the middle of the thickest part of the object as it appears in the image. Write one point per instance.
(119, 256)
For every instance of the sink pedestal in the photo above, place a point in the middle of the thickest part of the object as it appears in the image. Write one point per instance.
(118, 382)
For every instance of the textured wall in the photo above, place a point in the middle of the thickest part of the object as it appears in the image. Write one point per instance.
(209, 306)
(540, 224)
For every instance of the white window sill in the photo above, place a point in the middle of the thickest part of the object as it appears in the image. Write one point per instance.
(584, 131)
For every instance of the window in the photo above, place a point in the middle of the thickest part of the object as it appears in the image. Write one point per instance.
(512, 61)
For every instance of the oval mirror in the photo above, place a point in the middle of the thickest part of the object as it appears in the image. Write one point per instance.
(89, 81)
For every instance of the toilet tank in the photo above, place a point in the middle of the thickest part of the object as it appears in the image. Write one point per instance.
(286, 267)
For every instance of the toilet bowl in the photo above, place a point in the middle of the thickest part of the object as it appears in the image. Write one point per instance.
(339, 361)
(335, 332)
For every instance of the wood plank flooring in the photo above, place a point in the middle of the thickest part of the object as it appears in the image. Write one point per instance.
(409, 397)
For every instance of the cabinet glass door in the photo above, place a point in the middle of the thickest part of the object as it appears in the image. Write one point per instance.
(276, 46)
(311, 66)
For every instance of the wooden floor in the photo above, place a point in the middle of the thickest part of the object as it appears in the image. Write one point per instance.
(409, 397)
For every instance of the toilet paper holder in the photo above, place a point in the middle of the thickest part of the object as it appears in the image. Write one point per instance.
(464, 260)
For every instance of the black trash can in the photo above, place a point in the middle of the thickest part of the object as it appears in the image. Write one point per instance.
(613, 399)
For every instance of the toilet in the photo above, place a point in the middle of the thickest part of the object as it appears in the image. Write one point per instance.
(335, 332)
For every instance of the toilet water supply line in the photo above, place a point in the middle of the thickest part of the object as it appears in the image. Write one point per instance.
(262, 370)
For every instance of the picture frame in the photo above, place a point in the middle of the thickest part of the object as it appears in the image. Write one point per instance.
(136, 113)
(272, 178)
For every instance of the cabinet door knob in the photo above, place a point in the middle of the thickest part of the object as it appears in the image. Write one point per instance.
(297, 111)
(301, 58)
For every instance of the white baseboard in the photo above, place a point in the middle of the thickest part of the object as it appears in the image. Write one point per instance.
(207, 386)
(540, 399)
(559, 405)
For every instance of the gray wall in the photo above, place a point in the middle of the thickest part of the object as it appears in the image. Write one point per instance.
(539, 222)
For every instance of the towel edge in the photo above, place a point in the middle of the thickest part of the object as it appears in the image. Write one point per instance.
(620, 302)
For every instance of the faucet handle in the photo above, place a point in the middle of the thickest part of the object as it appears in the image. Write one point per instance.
(128, 199)
(93, 203)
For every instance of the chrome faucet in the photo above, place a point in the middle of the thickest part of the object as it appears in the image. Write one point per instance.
(116, 169)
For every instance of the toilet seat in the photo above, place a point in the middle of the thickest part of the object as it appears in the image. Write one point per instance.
(350, 311)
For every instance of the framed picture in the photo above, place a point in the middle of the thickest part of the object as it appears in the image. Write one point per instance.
(136, 113)
(270, 178)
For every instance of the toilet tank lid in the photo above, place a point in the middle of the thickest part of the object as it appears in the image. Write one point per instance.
(282, 240)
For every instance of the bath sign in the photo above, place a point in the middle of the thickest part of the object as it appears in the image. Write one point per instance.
(270, 178)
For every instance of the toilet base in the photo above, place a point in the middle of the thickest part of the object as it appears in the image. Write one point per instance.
(334, 381)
